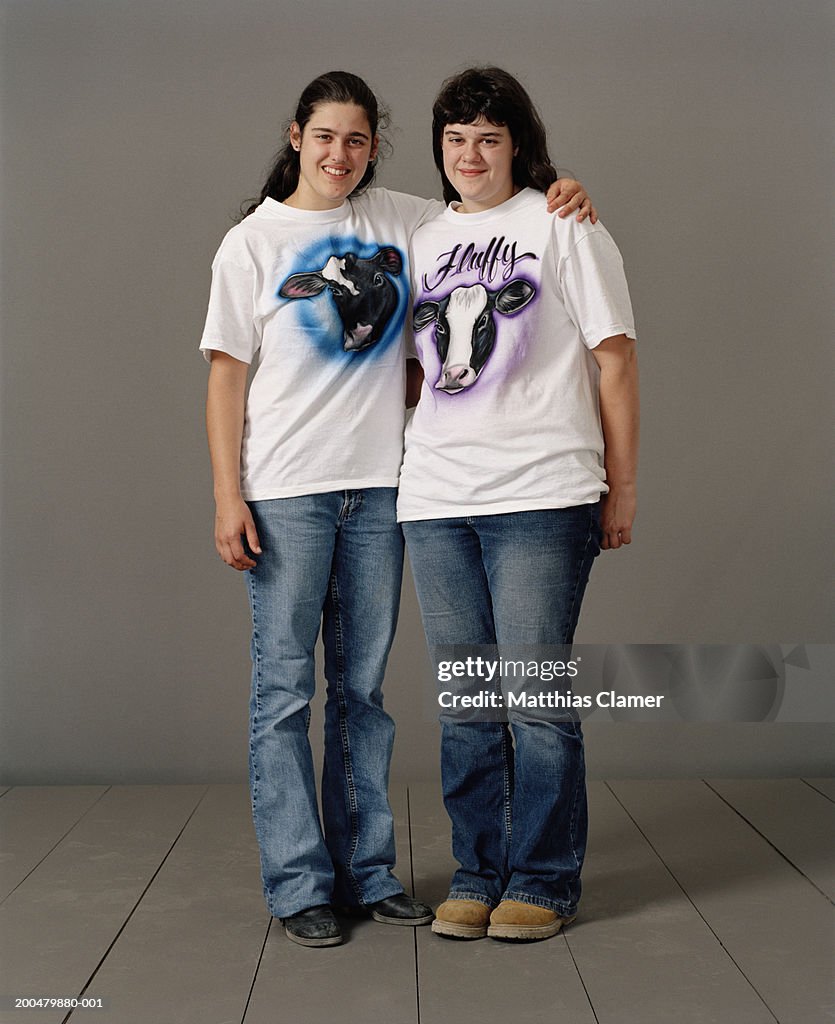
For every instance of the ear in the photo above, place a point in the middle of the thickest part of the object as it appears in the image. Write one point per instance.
(302, 286)
(375, 145)
(514, 296)
(388, 259)
(295, 136)
(424, 314)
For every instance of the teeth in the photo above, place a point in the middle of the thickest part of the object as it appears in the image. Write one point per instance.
(334, 173)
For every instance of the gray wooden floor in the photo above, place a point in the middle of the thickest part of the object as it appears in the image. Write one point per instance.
(705, 901)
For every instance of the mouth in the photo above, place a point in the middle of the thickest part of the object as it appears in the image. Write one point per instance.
(336, 172)
(358, 338)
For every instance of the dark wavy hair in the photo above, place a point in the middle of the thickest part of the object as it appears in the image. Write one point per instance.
(497, 96)
(332, 87)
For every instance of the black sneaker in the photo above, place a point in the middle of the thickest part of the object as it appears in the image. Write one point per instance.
(313, 927)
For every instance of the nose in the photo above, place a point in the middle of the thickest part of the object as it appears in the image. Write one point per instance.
(471, 152)
(456, 378)
(338, 150)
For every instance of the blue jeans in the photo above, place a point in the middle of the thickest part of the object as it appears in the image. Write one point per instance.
(515, 792)
(333, 560)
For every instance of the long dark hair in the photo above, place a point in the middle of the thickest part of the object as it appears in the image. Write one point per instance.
(497, 96)
(332, 87)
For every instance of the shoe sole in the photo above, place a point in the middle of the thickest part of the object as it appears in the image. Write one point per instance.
(450, 930)
(527, 933)
(411, 922)
(301, 940)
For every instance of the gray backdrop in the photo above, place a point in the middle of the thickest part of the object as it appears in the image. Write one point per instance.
(132, 131)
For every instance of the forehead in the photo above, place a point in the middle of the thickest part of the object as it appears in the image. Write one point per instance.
(347, 118)
(478, 129)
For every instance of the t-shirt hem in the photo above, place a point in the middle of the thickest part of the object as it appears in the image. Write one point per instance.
(499, 508)
(595, 336)
(269, 493)
(209, 345)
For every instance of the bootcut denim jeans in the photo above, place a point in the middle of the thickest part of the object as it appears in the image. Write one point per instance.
(515, 792)
(332, 560)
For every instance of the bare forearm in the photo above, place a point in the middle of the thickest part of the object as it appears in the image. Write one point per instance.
(619, 418)
(225, 423)
(619, 415)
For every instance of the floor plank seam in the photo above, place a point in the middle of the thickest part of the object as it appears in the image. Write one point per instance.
(765, 839)
(417, 977)
(580, 976)
(687, 896)
(412, 881)
(56, 844)
(257, 969)
(135, 907)
(411, 849)
(826, 796)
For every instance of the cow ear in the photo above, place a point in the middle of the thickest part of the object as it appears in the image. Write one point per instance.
(424, 314)
(514, 296)
(302, 286)
(389, 259)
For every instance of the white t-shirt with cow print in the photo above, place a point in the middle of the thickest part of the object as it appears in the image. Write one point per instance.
(318, 302)
(508, 305)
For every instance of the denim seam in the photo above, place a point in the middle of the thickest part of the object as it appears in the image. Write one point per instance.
(472, 897)
(563, 909)
(343, 733)
(581, 562)
(257, 675)
(508, 812)
(572, 827)
(256, 646)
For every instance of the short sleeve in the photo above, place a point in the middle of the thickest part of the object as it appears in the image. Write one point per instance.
(230, 323)
(594, 288)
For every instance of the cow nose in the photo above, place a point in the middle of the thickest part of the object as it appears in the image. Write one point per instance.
(454, 378)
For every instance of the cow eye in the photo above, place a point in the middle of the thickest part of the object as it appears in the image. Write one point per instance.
(440, 327)
(482, 321)
(379, 279)
(336, 289)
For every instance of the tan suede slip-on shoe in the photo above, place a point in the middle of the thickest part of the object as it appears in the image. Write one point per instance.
(524, 922)
(461, 919)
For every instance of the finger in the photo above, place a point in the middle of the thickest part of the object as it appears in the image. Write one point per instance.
(612, 540)
(234, 558)
(574, 203)
(240, 558)
(252, 537)
(556, 201)
(583, 212)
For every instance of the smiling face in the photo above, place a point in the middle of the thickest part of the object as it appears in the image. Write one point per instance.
(478, 160)
(334, 149)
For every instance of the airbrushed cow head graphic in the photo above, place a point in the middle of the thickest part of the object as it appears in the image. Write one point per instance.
(465, 328)
(364, 294)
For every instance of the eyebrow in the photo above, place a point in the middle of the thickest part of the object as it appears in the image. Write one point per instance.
(483, 135)
(332, 131)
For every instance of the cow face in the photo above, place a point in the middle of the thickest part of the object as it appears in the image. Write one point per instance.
(363, 293)
(465, 328)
